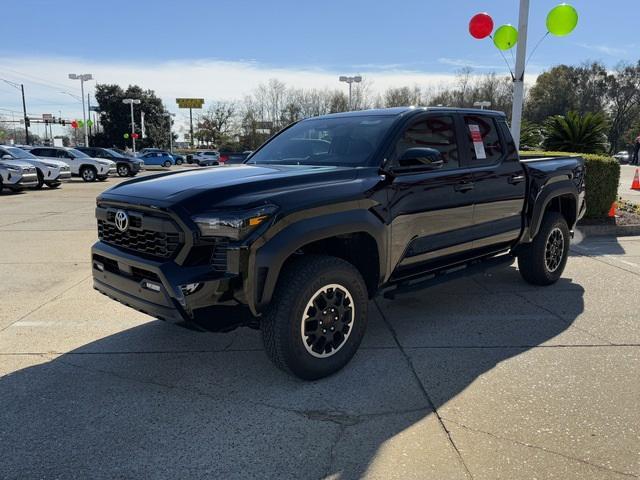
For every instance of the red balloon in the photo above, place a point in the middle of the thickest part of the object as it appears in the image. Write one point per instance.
(74, 124)
(481, 26)
(135, 135)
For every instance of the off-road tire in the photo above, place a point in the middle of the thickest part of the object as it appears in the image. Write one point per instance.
(281, 324)
(533, 262)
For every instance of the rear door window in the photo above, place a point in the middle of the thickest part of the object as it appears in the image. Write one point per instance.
(434, 131)
(484, 141)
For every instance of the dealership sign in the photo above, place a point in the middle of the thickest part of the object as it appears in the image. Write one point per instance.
(190, 102)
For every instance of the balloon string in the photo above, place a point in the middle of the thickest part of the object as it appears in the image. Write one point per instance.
(513, 77)
(536, 47)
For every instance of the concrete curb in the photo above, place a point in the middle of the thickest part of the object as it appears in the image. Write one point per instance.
(608, 230)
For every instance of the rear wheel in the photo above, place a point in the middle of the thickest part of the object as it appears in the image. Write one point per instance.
(543, 261)
(167, 164)
(179, 161)
(124, 170)
(317, 317)
(88, 174)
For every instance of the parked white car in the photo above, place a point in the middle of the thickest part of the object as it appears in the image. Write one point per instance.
(207, 158)
(81, 164)
(50, 172)
(16, 175)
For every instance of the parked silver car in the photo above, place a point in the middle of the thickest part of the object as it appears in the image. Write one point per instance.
(50, 172)
(16, 175)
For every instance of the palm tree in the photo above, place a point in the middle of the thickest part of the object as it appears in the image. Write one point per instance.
(576, 133)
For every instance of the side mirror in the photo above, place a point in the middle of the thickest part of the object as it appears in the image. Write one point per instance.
(421, 159)
(7, 157)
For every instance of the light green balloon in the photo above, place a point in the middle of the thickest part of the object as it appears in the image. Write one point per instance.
(505, 37)
(126, 135)
(562, 20)
(80, 124)
(89, 123)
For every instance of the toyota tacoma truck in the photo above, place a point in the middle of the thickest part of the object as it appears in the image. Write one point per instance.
(325, 215)
(50, 172)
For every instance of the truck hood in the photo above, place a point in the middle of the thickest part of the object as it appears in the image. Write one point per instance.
(227, 186)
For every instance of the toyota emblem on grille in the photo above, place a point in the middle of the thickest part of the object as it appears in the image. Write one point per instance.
(121, 220)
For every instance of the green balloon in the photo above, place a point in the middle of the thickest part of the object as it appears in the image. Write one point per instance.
(80, 124)
(126, 135)
(505, 37)
(89, 123)
(562, 20)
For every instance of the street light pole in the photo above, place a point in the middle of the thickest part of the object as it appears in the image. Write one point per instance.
(83, 78)
(169, 118)
(131, 102)
(350, 81)
(518, 82)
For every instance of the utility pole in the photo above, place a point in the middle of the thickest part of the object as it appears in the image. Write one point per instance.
(170, 119)
(26, 118)
(89, 110)
(518, 82)
(191, 126)
(132, 101)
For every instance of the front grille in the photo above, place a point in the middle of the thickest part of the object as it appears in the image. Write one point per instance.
(147, 242)
(147, 234)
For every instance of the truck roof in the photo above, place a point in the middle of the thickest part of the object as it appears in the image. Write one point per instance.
(402, 111)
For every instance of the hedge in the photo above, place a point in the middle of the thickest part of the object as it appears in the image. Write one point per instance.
(602, 179)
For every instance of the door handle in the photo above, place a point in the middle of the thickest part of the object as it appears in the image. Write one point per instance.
(515, 179)
(463, 187)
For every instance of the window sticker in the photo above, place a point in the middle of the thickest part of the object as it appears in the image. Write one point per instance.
(476, 137)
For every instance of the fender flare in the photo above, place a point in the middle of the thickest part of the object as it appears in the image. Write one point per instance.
(267, 257)
(541, 203)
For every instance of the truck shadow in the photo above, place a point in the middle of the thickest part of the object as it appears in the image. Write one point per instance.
(157, 401)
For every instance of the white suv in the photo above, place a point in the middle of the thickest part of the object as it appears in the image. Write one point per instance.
(16, 175)
(50, 172)
(81, 164)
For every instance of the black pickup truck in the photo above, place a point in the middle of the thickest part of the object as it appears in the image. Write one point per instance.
(325, 215)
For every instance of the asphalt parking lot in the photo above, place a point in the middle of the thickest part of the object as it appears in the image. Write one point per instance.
(485, 377)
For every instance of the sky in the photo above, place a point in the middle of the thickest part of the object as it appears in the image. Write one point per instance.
(222, 49)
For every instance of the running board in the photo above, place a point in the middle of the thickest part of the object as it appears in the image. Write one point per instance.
(470, 268)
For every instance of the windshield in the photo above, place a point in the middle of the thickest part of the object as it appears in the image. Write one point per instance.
(114, 153)
(18, 152)
(77, 153)
(339, 141)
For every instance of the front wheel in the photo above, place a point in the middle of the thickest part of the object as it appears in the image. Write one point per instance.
(40, 179)
(88, 174)
(542, 261)
(124, 170)
(317, 317)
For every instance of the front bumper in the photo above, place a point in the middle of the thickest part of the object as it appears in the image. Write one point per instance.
(61, 177)
(160, 289)
(28, 180)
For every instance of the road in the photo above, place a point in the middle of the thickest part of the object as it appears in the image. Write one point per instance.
(485, 377)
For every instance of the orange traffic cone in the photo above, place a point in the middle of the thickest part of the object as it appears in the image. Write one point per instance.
(635, 185)
(612, 211)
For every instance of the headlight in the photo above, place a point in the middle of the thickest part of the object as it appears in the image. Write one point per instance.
(233, 225)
